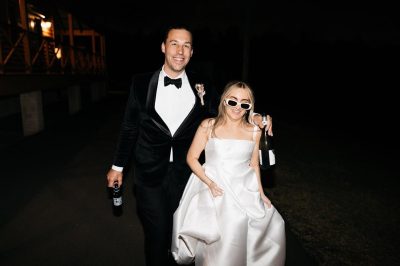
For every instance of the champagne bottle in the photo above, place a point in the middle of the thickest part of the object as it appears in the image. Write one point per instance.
(266, 151)
(117, 199)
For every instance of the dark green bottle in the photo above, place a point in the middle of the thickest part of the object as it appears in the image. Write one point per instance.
(266, 150)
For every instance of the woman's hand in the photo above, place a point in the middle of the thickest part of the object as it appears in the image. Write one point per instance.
(266, 200)
(215, 189)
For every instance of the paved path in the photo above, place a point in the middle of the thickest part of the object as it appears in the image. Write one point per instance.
(55, 208)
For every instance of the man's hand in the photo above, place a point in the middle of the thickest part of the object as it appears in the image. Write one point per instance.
(257, 119)
(114, 176)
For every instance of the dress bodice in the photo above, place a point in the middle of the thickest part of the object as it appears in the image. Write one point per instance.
(228, 152)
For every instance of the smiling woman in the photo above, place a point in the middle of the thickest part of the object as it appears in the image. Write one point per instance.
(236, 224)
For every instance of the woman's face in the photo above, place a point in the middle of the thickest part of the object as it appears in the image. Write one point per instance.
(236, 102)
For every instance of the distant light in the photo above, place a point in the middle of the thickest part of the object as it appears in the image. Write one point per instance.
(46, 25)
(57, 51)
(47, 28)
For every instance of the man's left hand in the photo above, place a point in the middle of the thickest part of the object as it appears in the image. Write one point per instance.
(257, 119)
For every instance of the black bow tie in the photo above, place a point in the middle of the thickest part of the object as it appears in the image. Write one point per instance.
(176, 82)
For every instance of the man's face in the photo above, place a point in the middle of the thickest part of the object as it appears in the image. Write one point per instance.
(178, 51)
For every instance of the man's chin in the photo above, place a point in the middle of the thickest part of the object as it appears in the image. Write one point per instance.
(179, 69)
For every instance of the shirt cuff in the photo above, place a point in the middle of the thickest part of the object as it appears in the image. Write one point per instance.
(252, 119)
(117, 168)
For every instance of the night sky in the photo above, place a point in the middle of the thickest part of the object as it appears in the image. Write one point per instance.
(334, 63)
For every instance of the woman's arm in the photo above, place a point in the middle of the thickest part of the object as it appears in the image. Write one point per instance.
(254, 163)
(196, 148)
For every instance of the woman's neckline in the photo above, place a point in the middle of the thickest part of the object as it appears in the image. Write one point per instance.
(233, 139)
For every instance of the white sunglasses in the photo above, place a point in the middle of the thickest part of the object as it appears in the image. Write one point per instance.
(234, 103)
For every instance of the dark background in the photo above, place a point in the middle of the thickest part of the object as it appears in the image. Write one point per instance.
(331, 64)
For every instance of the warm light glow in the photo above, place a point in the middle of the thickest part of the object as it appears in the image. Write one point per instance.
(57, 51)
(47, 28)
(32, 24)
(46, 25)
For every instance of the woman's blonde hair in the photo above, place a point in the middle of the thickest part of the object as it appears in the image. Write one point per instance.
(221, 117)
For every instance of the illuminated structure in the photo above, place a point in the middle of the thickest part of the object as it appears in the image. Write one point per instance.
(44, 49)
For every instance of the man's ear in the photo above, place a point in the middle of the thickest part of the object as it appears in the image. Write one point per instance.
(163, 47)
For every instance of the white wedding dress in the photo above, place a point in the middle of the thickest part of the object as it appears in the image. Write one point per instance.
(235, 229)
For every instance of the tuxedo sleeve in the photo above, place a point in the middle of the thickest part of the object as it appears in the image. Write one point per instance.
(129, 130)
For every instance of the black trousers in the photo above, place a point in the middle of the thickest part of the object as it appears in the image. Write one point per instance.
(155, 209)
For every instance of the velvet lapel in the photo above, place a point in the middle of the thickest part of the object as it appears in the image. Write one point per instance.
(150, 104)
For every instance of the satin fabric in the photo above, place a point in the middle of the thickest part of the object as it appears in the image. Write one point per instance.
(235, 229)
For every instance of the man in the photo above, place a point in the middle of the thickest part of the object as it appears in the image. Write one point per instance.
(164, 109)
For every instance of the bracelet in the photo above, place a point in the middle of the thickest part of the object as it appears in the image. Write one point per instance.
(117, 168)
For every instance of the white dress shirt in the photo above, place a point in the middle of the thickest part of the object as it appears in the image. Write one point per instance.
(172, 104)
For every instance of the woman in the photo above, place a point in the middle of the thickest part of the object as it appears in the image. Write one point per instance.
(224, 217)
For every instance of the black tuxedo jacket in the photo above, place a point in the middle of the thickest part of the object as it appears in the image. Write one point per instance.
(145, 138)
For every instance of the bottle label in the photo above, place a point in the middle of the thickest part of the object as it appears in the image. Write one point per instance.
(271, 157)
(118, 201)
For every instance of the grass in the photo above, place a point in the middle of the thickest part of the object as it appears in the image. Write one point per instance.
(339, 198)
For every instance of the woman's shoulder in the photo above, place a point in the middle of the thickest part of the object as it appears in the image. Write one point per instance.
(254, 132)
(251, 128)
(207, 123)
